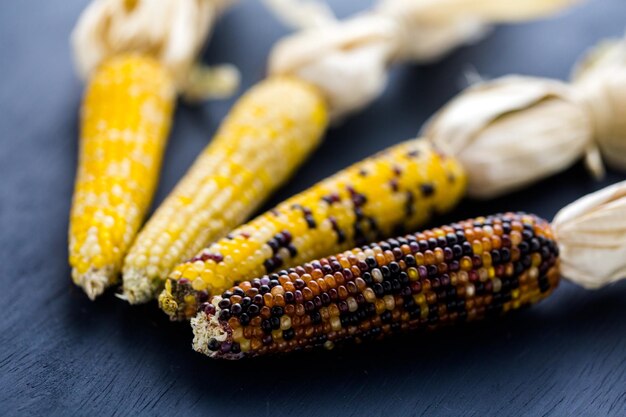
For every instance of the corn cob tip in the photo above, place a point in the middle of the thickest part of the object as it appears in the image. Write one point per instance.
(168, 305)
(137, 287)
(94, 281)
(207, 328)
(180, 300)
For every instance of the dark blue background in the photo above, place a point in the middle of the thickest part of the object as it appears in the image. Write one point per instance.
(61, 354)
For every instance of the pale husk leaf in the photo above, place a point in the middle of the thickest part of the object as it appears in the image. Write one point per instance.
(600, 83)
(592, 237)
(172, 31)
(511, 132)
(348, 60)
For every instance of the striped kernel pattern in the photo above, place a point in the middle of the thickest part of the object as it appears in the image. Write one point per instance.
(396, 190)
(126, 116)
(266, 136)
(461, 272)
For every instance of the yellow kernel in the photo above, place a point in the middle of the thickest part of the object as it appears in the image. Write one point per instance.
(198, 284)
(190, 273)
(466, 263)
(389, 302)
(419, 298)
(244, 345)
(536, 259)
(285, 322)
(238, 334)
(477, 247)
(429, 257)
(380, 306)
(516, 237)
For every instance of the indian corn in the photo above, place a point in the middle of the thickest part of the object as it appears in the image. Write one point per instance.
(461, 272)
(125, 120)
(270, 131)
(395, 190)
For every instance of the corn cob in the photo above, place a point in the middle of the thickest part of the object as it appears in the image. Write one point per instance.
(396, 190)
(461, 272)
(270, 131)
(125, 120)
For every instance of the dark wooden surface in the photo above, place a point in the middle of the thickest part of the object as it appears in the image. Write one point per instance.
(61, 354)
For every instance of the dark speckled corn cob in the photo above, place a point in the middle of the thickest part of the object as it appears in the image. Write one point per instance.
(461, 272)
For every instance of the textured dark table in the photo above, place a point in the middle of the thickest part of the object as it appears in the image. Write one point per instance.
(61, 354)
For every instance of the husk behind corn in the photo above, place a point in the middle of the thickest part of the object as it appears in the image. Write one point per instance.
(515, 130)
(592, 237)
(511, 131)
(171, 31)
(348, 60)
(600, 82)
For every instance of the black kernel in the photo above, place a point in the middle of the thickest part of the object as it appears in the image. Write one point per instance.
(427, 190)
(213, 345)
(224, 315)
(275, 323)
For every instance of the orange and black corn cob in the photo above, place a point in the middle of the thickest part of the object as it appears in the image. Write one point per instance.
(461, 272)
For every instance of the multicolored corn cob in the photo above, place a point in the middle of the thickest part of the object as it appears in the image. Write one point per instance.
(269, 132)
(461, 272)
(393, 191)
(126, 116)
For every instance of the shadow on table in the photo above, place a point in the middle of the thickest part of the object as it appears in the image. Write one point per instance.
(568, 320)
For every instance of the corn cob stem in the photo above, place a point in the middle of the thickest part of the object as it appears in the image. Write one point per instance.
(269, 132)
(395, 190)
(126, 117)
(461, 272)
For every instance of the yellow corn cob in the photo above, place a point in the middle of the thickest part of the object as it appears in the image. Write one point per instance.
(461, 272)
(126, 117)
(398, 189)
(269, 132)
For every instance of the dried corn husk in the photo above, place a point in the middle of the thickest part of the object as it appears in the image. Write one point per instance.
(515, 130)
(509, 132)
(592, 237)
(348, 60)
(173, 31)
(600, 82)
